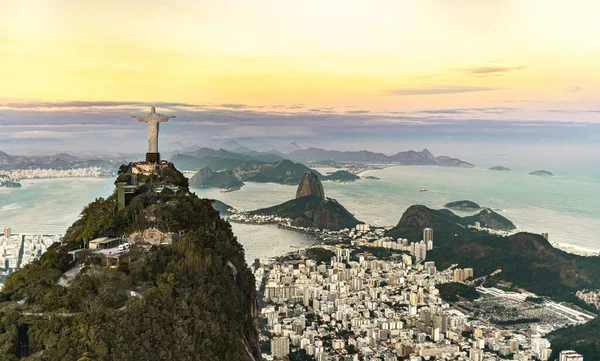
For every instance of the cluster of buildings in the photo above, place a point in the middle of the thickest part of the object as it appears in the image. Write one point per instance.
(262, 219)
(591, 297)
(34, 245)
(570, 356)
(462, 274)
(18, 174)
(359, 307)
(363, 308)
(17, 250)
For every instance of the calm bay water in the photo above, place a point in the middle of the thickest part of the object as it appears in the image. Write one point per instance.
(50, 206)
(566, 207)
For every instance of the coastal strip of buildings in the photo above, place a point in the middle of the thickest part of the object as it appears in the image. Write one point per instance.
(37, 173)
(17, 250)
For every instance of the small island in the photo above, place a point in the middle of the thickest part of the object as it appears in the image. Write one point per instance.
(542, 173)
(342, 176)
(370, 177)
(463, 206)
(500, 168)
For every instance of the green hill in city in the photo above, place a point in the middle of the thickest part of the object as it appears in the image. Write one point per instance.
(158, 303)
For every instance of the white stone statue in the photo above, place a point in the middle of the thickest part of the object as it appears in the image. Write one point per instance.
(152, 118)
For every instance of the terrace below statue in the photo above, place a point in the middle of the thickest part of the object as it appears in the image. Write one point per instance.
(153, 158)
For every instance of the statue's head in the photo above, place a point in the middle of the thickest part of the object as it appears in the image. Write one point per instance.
(152, 110)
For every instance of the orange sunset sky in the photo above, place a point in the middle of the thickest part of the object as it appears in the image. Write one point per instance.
(374, 55)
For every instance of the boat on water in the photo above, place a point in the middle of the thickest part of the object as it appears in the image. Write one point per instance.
(424, 190)
(226, 190)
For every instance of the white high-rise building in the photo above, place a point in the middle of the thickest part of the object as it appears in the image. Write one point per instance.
(363, 227)
(306, 297)
(475, 355)
(420, 251)
(539, 344)
(342, 254)
(545, 354)
(570, 355)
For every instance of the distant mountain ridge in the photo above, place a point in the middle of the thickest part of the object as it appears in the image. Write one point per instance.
(248, 168)
(60, 161)
(411, 157)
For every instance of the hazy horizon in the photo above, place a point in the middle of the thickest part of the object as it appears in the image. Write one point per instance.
(32, 128)
(385, 76)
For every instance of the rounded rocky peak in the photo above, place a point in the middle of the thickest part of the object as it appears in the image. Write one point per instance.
(310, 185)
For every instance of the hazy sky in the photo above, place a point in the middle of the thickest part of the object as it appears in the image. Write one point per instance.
(336, 72)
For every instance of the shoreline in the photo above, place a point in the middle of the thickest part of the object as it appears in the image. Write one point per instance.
(315, 233)
(579, 250)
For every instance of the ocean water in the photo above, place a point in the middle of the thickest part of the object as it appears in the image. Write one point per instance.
(566, 206)
(49, 206)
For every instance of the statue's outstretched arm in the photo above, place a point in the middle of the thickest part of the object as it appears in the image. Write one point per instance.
(165, 118)
(140, 118)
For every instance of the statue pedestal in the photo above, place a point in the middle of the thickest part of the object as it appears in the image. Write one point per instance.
(152, 157)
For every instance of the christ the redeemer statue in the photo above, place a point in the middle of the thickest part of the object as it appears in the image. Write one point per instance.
(153, 119)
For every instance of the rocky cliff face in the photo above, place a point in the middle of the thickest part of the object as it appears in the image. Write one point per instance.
(310, 185)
